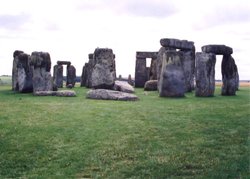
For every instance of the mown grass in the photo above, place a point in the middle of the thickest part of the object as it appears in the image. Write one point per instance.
(56, 137)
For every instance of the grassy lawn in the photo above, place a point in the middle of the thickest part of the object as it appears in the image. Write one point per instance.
(56, 137)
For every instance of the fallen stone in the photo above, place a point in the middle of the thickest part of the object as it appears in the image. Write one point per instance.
(151, 85)
(217, 49)
(177, 44)
(123, 86)
(63, 93)
(105, 94)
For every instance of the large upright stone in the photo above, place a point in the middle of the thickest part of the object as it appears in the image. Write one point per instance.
(71, 75)
(217, 49)
(84, 76)
(58, 76)
(103, 73)
(177, 44)
(41, 64)
(172, 80)
(229, 76)
(89, 68)
(141, 73)
(21, 73)
(205, 72)
(189, 68)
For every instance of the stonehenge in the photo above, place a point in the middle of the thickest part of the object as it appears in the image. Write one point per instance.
(172, 71)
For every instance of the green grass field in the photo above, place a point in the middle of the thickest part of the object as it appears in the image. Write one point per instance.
(60, 137)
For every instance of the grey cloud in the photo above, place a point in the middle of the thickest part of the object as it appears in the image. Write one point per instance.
(13, 22)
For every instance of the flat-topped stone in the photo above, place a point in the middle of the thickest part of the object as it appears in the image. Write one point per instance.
(177, 44)
(64, 63)
(123, 86)
(105, 94)
(217, 49)
(146, 54)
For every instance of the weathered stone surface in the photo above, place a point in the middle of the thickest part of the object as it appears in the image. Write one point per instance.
(123, 86)
(84, 76)
(63, 93)
(103, 73)
(229, 76)
(217, 49)
(159, 60)
(68, 63)
(205, 71)
(130, 80)
(141, 73)
(21, 73)
(151, 85)
(177, 44)
(105, 94)
(89, 68)
(146, 55)
(172, 80)
(41, 64)
(71, 75)
(188, 64)
(58, 75)
(153, 69)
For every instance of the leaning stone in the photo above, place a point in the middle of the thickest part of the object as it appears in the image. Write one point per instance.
(151, 85)
(177, 44)
(172, 80)
(204, 76)
(105, 94)
(217, 49)
(123, 86)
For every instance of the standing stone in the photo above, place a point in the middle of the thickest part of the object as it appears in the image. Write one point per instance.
(41, 64)
(237, 78)
(189, 68)
(89, 68)
(84, 76)
(103, 73)
(141, 74)
(153, 69)
(205, 72)
(130, 81)
(21, 73)
(172, 80)
(71, 76)
(58, 76)
(229, 76)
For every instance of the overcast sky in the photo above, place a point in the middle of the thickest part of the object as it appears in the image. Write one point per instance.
(71, 29)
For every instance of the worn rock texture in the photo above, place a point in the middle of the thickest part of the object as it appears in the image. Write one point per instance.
(71, 75)
(172, 80)
(205, 74)
(151, 85)
(123, 86)
(217, 49)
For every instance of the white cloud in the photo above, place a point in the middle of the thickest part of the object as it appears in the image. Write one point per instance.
(70, 30)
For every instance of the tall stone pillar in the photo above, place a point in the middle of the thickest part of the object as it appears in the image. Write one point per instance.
(141, 75)
(41, 65)
(205, 74)
(21, 73)
(229, 76)
(172, 80)
(58, 75)
(71, 75)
